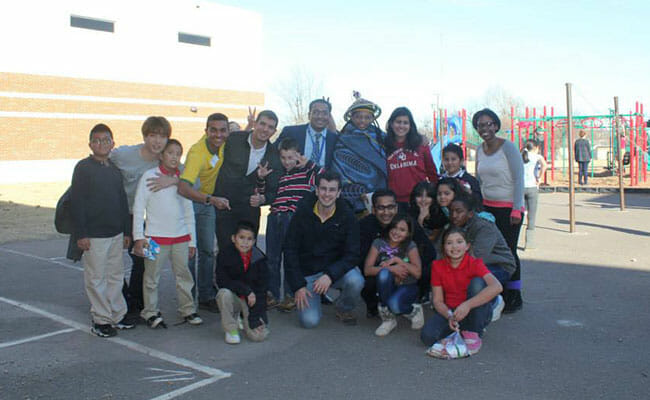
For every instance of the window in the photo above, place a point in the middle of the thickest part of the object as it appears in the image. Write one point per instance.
(92, 23)
(193, 39)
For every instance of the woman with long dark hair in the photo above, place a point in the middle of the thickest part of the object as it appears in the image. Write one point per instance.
(408, 158)
(500, 171)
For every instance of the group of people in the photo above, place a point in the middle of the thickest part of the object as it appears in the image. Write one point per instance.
(354, 213)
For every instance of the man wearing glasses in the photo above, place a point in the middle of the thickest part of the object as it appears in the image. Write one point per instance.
(384, 209)
(315, 140)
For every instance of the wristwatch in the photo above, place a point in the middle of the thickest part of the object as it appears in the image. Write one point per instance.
(207, 199)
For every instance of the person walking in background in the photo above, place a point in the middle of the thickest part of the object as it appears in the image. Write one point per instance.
(582, 151)
(534, 169)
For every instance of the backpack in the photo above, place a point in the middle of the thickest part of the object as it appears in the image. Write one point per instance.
(63, 216)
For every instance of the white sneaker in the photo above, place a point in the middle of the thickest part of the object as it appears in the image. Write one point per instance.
(497, 308)
(416, 317)
(232, 337)
(388, 321)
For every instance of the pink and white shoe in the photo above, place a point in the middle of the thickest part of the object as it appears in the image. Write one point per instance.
(472, 341)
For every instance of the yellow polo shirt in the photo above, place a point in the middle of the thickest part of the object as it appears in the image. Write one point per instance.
(202, 166)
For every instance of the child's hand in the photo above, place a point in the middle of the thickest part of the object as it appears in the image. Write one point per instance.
(138, 247)
(83, 244)
(461, 311)
(263, 170)
(192, 252)
(453, 324)
(302, 161)
(251, 299)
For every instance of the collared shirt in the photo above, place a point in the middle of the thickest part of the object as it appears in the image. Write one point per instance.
(322, 220)
(255, 155)
(310, 140)
(202, 166)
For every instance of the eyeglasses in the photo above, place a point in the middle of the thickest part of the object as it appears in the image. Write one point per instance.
(320, 113)
(389, 207)
(102, 141)
(486, 125)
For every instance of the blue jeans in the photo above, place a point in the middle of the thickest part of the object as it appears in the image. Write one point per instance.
(350, 285)
(204, 216)
(501, 274)
(398, 299)
(583, 172)
(276, 229)
(437, 327)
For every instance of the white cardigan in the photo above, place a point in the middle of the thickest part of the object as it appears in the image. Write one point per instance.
(168, 214)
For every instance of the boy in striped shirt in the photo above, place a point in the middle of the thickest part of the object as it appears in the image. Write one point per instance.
(293, 185)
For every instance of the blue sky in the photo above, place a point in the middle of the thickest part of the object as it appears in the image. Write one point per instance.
(408, 52)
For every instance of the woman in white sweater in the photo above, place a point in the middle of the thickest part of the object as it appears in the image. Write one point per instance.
(170, 223)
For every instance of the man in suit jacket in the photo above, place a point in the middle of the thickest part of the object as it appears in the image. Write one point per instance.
(315, 141)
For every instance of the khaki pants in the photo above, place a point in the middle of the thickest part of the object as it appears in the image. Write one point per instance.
(103, 278)
(230, 306)
(178, 253)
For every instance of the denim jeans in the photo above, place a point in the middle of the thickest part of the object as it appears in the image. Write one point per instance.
(276, 229)
(437, 327)
(350, 285)
(583, 172)
(204, 216)
(501, 274)
(398, 298)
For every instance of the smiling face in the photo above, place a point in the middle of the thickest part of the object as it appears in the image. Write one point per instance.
(243, 240)
(455, 246)
(385, 209)
(487, 128)
(319, 116)
(459, 214)
(401, 127)
(423, 201)
(217, 132)
(155, 142)
(289, 159)
(327, 193)
(451, 162)
(445, 195)
(264, 129)
(362, 119)
(171, 157)
(398, 233)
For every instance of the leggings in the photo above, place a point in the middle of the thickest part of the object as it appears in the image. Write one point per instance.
(511, 235)
(530, 198)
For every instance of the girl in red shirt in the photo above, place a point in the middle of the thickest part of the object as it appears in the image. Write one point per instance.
(463, 291)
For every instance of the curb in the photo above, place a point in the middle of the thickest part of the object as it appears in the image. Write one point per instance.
(594, 189)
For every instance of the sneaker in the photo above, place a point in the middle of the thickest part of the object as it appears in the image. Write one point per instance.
(271, 302)
(155, 321)
(210, 305)
(497, 308)
(240, 322)
(193, 319)
(388, 322)
(103, 330)
(232, 337)
(513, 301)
(128, 322)
(288, 304)
(416, 316)
(472, 341)
(258, 334)
(346, 317)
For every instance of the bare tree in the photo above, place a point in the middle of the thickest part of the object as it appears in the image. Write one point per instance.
(500, 101)
(296, 91)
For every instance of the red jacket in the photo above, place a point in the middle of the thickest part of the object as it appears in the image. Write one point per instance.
(407, 168)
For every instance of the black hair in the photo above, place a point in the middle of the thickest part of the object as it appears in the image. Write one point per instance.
(413, 138)
(216, 117)
(323, 101)
(452, 229)
(489, 113)
(430, 189)
(100, 128)
(329, 176)
(382, 193)
(396, 220)
(288, 143)
(173, 141)
(452, 183)
(530, 144)
(467, 200)
(267, 114)
(245, 225)
(453, 148)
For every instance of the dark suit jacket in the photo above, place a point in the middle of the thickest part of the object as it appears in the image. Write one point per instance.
(299, 134)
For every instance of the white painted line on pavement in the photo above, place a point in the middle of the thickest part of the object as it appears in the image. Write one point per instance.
(35, 338)
(20, 253)
(188, 388)
(214, 372)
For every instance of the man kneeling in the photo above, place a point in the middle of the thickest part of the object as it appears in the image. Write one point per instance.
(321, 251)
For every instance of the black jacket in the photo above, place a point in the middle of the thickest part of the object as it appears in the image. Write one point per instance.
(311, 247)
(231, 275)
(233, 183)
(299, 134)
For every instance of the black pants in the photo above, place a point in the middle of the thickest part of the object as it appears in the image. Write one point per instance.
(511, 235)
(133, 290)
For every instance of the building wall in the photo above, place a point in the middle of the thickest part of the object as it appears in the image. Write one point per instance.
(57, 81)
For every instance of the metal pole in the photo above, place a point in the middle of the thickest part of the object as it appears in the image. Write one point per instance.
(569, 113)
(512, 124)
(552, 146)
(617, 125)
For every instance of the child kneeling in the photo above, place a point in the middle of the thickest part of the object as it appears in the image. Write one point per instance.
(463, 289)
(242, 276)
